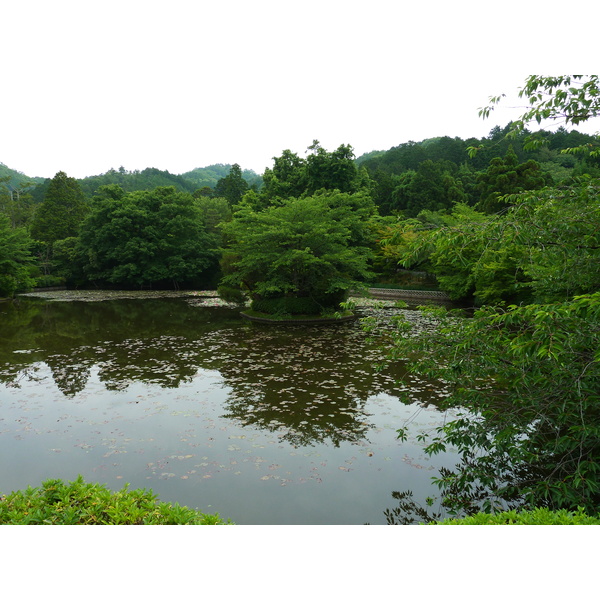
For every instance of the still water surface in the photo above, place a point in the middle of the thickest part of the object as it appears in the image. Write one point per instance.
(262, 424)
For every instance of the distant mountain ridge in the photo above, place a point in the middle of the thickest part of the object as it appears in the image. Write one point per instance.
(17, 179)
(209, 176)
(379, 163)
(149, 178)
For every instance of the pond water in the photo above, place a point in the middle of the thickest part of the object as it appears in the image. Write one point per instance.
(262, 424)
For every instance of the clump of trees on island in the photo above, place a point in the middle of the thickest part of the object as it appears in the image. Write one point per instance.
(510, 223)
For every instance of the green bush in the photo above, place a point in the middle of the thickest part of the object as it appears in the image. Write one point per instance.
(286, 305)
(81, 503)
(537, 516)
(299, 305)
(231, 294)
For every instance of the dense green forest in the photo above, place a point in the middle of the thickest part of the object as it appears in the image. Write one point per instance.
(424, 180)
(509, 224)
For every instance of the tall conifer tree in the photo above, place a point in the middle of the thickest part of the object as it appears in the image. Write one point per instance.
(61, 212)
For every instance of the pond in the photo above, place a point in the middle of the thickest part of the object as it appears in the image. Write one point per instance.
(177, 393)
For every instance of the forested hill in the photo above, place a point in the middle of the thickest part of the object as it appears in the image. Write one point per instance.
(16, 179)
(409, 155)
(209, 176)
(147, 179)
(151, 178)
(436, 173)
(135, 180)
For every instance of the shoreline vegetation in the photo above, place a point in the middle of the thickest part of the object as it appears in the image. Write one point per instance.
(81, 503)
(56, 502)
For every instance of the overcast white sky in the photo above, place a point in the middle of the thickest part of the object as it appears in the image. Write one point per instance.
(88, 85)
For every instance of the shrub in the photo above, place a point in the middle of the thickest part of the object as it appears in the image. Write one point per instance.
(286, 305)
(299, 305)
(81, 503)
(537, 516)
(231, 294)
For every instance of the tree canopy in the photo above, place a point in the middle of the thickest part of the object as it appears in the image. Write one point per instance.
(145, 238)
(293, 176)
(507, 176)
(311, 247)
(233, 186)
(61, 212)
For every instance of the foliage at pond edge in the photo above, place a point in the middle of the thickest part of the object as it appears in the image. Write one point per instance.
(79, 503)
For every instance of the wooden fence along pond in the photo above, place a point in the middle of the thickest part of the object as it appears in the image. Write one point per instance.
(392, 294)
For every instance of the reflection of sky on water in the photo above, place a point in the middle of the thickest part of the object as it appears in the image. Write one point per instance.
(264, 444)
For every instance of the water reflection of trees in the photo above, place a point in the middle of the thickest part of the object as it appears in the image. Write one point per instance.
(410, 512)
(129, 340)
(309, 384)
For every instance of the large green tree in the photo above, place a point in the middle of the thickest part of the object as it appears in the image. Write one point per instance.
(331, 170)
(61, 212)
(507, 176)
(314, 247)
(233, 186)
(431, 187)
(214, 211)
(144, 238)
(292, 176)
(57, 218)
